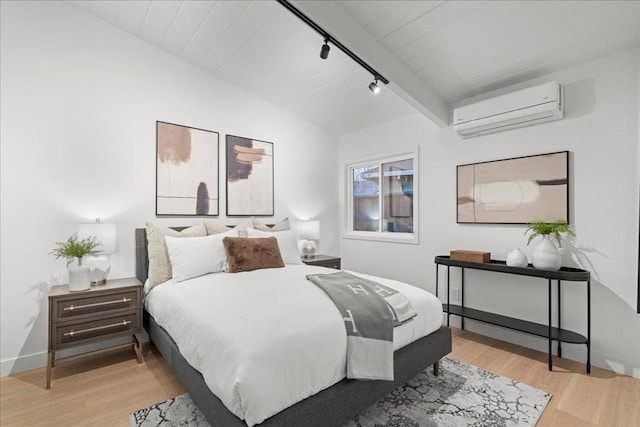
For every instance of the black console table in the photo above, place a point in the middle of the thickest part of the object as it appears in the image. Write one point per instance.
(546, 331)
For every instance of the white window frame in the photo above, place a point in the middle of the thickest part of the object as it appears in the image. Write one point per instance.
(382, 236)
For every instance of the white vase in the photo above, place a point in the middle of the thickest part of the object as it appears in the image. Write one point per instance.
(546, 255)
(517, 258)
(79, 276)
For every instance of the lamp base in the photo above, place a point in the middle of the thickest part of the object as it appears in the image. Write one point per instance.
(100, 267)
(308, 249)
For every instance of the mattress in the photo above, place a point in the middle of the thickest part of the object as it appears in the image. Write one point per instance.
(264, 340)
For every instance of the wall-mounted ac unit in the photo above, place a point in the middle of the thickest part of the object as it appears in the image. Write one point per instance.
(526, 107)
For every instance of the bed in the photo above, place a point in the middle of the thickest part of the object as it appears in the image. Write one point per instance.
(333, 405)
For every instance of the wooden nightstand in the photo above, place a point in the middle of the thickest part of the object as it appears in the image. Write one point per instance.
(324, 261)
(101, 313)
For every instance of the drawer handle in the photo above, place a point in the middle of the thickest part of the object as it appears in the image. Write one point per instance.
(72, 333)
(96, 304)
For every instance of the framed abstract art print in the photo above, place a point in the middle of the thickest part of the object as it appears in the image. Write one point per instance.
(514, 191)
(186, 171)
(249, 177)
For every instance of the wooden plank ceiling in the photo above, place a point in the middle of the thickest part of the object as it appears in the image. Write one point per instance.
(456, 49)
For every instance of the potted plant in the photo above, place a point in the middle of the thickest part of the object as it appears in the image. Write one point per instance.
(74, 249)
(546, 255)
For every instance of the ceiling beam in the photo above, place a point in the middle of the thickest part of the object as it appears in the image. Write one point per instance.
(341, 26)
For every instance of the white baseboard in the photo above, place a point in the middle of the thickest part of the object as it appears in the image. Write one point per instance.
(39, 360)
(23, 363)
(575, 352)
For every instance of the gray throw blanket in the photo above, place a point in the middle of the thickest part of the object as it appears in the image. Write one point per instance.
(370, 310)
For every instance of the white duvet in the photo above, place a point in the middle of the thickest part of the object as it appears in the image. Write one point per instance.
(266, 339)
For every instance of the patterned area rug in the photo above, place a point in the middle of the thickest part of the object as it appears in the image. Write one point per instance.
(462, 395)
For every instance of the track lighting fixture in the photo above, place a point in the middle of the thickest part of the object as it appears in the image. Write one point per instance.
(324, 52)
(374, 87)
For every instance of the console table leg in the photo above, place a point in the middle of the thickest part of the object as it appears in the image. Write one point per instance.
(462, 299)
(559, 320)
(549, 331)
(588, 326)
(437, 268)
(448, 287)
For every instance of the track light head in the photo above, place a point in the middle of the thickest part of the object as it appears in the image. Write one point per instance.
(324, 52)
(374, 87)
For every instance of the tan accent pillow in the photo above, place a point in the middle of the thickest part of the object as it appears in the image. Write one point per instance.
(281, 226)
(159, 265)
(245, 254)
(215, 227)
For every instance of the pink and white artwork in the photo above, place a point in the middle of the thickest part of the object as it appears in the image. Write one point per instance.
(514, 191)
(186, 171)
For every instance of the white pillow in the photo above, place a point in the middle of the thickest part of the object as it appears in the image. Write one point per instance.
(195, 256)
(159, 264)
(286, 242)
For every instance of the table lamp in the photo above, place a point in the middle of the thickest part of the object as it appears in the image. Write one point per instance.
(100, 265)
(309, 231)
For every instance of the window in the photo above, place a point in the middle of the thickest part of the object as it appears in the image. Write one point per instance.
(382, 200)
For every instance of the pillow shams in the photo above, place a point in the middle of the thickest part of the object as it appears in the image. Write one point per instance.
(159, 264)
(252, 254)
(286, 242)
(214, 226)
(195, 256)
(281, 226)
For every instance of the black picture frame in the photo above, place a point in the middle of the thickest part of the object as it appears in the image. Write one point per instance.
(514, 190)
(187, 192)
(249, 177)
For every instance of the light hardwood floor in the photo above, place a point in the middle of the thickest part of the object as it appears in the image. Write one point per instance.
(104, 390)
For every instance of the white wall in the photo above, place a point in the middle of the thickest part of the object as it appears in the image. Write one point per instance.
(79, 104)
(600, 130)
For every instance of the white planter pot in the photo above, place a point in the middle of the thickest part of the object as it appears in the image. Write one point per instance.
(546, 256)
(79, 277)
(517, 258)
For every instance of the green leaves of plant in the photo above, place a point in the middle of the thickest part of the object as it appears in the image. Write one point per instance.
(76, 248)
(537, 227)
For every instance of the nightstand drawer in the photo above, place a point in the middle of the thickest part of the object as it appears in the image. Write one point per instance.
(86, 332)
(68, 309)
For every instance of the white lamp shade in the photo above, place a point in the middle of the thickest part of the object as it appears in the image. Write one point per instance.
(309, 230)
(104, 233)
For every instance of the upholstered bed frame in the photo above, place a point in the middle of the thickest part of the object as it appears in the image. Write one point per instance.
(331, 407)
